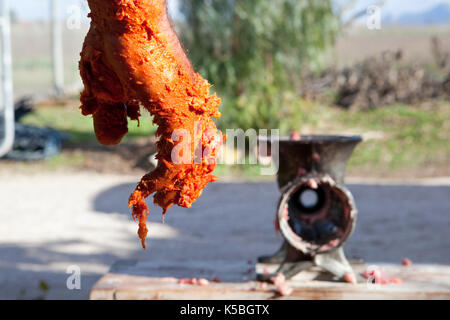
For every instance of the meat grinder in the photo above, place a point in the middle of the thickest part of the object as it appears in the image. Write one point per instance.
(316, 213)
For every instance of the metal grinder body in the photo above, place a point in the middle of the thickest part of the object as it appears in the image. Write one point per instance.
(316, 213)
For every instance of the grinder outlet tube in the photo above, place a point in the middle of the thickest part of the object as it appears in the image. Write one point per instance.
(315, 214)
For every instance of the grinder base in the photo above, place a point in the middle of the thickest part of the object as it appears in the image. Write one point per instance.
(334, 263)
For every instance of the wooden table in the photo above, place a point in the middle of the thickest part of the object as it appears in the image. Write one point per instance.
(146, 280)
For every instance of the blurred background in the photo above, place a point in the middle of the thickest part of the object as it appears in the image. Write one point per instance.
(323, 66)
(380, 69)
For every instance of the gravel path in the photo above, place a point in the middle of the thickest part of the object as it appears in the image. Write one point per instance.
(49, 222)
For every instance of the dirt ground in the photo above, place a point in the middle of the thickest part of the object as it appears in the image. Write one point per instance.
(51, 221)
(358, 43)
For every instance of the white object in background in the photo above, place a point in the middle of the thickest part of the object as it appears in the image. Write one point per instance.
(7, 104)
(57, 49)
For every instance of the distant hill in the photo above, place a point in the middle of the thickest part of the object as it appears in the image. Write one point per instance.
(439, 14)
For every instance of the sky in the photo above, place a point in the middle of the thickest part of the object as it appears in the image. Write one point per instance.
(39, 9)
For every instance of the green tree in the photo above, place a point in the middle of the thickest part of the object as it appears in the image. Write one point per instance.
(254, 51)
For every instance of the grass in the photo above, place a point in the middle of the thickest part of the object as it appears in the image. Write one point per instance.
(34, 74)
(413, 137)
(397, 137)
(68, 119)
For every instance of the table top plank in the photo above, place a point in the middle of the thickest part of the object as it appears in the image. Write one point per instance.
(134, 280)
